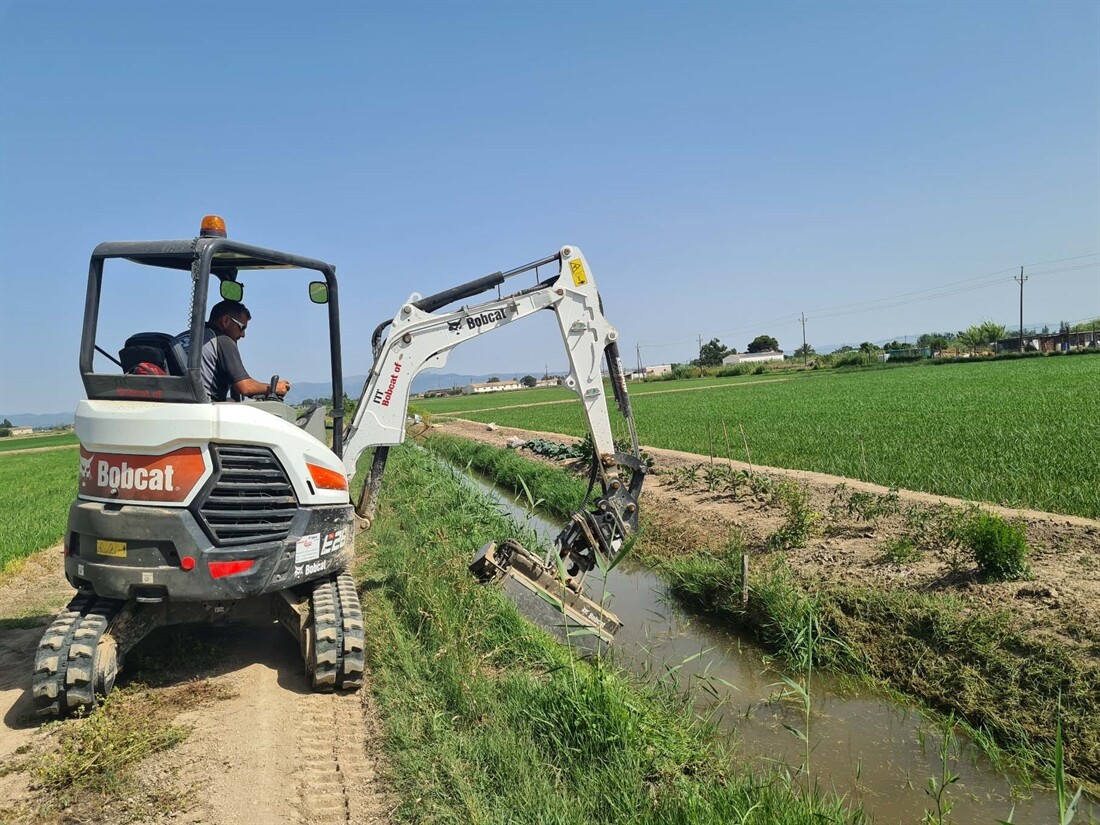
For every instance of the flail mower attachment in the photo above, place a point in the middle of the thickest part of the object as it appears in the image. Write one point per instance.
(545, 595)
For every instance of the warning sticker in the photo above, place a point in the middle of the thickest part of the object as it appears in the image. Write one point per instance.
(308, 548)
(577, 267)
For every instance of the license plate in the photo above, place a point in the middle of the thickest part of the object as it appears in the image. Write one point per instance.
(116, 549)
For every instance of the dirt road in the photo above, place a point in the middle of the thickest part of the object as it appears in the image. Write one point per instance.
(273, 752)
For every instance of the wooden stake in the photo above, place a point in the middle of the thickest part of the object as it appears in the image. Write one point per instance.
(744, 579)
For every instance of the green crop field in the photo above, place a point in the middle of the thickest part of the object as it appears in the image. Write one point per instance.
(35, 442)
(549, 395)
(1020, 433)
(36, 490)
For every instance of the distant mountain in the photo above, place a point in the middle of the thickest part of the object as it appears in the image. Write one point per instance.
(38, 420)
(353, 385)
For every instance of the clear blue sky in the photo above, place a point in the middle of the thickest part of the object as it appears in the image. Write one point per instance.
(724, 166)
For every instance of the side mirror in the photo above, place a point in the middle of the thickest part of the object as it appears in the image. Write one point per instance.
(232, 291)
(318, 292)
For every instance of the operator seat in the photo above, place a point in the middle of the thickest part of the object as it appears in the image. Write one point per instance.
(151, 348)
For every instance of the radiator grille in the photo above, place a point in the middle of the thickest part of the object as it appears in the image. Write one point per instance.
(252, 499)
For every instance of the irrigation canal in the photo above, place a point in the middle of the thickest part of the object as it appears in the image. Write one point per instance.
(869, 748)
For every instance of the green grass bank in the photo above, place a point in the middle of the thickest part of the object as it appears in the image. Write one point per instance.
(487, 720)
(1010, 687)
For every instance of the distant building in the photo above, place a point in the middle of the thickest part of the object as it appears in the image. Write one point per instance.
(492, 386)
(22, 430)
(659, 369)
(1052, 342)
(753, 357)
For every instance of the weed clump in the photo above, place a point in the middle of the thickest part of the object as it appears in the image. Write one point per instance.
(799, 524)
(999, 547)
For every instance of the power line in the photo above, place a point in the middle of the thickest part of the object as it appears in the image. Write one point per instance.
(889, 302)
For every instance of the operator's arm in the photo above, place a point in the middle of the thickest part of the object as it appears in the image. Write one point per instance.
(247, 387)
(242, 383)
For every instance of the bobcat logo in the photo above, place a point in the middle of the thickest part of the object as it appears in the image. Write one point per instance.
(86, 467)
(453, 326)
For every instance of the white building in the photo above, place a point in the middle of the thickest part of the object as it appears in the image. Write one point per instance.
(492, 386)
(659, 369)
(754, 357)
(21, 430)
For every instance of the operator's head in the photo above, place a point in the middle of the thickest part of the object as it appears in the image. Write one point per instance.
(230, 318)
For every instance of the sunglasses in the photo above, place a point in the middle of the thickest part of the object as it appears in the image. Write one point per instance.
(238, 323)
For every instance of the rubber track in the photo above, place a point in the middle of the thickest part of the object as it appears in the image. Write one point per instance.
(65, 662)
(352, 664)
(326, 635)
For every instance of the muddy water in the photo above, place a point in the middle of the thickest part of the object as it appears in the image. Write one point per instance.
(870, 749)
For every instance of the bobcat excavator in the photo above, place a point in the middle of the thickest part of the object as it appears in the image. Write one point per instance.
(193, 511)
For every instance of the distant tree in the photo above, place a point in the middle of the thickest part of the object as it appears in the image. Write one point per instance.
(528, 381)
(805, 350)
(6, 423)
(712, 353)
(309, 402)
(5, 431)
(895, 345)
(843, 350)
(869, 349)
(763, 343)
(981, 336)
(493, 380)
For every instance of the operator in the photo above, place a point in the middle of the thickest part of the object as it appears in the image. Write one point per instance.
(222, 368)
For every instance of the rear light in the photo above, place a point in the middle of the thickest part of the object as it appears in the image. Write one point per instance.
(188, 563)
(220, 569)
(327, 479)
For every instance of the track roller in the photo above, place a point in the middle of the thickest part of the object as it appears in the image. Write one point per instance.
(77, 660)
(334, 655)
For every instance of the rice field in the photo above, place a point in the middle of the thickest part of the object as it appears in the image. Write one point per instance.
(36, 490)
(34, 442)
(1018, 433)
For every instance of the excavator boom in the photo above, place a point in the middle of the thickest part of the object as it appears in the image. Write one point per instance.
(422, 337)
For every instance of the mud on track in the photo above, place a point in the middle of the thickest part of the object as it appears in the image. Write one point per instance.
(274, 752)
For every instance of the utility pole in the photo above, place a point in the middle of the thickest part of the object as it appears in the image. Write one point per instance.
(805, 352)
(700, 345)
(1021, 281)
(638, 349)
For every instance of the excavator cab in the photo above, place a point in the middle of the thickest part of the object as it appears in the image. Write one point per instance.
(163, 367)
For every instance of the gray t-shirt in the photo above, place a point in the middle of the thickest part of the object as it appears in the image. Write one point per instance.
(221, 366)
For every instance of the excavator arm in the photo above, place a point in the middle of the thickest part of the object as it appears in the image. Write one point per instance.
(421, 337)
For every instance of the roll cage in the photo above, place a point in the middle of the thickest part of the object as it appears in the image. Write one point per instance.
(202, 257)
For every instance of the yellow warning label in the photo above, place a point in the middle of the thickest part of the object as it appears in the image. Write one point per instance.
(111, 548)
(577, 267)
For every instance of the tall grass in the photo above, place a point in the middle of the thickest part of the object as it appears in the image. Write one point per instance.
(36, 490)
(488, 720)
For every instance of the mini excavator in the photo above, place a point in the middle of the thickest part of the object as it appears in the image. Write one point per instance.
(194, 511)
